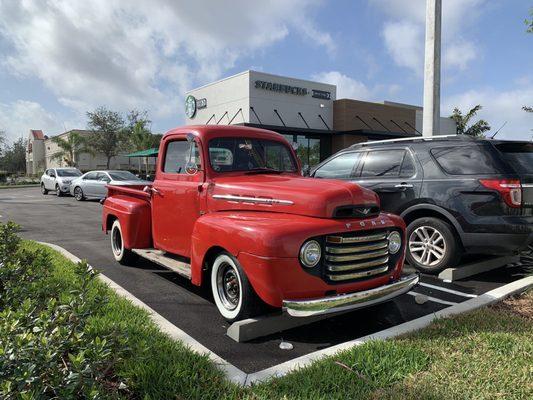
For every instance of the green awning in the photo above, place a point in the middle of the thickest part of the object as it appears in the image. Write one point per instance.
(145, 153)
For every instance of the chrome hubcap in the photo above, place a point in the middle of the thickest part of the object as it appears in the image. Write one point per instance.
(228, 287)
(116, 241)
(78, 193)
(427, 246)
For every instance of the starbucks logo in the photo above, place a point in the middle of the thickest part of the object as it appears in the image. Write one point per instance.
(190, 106)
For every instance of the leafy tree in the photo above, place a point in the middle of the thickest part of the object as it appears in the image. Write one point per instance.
(13, 159)
(462, 122)
(70, 147)
(529, 22)
(137, 134)
(527, 109)
(108, 128)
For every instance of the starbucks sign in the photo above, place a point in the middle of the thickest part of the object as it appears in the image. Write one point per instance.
(192, 104)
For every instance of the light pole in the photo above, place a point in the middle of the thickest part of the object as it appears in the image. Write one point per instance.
(431, 114)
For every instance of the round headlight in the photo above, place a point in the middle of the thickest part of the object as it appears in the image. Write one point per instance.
(310, 253)
(395, 242)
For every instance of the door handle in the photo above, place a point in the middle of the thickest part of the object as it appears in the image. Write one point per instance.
(403, 185)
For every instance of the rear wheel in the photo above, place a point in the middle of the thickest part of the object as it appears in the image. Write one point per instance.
(432, 245)
(123, 255)
(234, 296)
(78, 193)
(43, 189)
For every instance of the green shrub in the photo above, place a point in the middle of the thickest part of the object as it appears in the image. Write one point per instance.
(46, 350)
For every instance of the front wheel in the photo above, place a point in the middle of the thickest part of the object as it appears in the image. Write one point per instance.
(123, 255)
(432, 245)
(59, 193)
(78, 193)
(234, 296)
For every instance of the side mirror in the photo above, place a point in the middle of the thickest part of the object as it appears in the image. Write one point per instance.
(191, 168)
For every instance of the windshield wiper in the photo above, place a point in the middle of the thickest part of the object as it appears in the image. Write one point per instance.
(264, 170)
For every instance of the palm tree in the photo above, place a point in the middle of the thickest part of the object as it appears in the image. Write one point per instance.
(70, 147)
(140, 138)
(461, 122)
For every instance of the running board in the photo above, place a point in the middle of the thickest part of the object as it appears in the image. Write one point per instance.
(159, 257)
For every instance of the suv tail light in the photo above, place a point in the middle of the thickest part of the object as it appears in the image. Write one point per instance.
(509, 189)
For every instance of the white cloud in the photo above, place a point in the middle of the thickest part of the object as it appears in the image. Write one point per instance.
(404, 32)
(140, 53)
(405, 45)
(459, 55)
(346, 87)
(499, 107)
(18, 117)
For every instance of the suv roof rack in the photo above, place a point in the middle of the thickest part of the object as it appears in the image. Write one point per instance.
(411, 139)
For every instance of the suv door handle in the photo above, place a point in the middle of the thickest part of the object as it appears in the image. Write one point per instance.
(403, 185)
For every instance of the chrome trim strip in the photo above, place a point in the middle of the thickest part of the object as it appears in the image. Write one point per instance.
(246, 199)
(527, 185)
(350, 301)
(355, 239)
(360, 274)
(350, 267)
(353, 257)
(359, 249)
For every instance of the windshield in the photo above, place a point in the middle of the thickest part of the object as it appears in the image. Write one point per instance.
(245, 154)
(519, 155)
(68, 172)
(122, 176)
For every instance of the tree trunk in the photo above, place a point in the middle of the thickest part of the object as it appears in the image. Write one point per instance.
(108, 161)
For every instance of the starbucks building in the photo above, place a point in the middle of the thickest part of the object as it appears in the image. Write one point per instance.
(305, 112)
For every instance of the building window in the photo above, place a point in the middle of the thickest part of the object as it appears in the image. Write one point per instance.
(308, 150)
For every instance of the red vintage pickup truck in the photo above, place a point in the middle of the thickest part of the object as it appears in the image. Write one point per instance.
(230, 209)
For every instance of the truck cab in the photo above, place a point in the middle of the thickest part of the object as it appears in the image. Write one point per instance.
(229, 208)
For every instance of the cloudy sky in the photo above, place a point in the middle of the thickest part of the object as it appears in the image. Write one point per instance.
(59, 59)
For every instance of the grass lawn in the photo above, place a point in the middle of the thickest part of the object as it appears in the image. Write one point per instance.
(486, 354)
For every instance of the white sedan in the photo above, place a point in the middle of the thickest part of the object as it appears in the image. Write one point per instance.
(92, 185)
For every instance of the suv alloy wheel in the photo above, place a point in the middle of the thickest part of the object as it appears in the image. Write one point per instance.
(431, 245)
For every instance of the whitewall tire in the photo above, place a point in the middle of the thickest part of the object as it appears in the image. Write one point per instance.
(233, 294)
(122, 254)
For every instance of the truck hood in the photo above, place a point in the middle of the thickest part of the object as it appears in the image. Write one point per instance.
(288, 193)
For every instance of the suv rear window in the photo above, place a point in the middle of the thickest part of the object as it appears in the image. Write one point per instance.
(466, 160)
(519, 155)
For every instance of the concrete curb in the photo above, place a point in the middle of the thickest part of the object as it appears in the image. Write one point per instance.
(407, 327)
(232, 373)
(237, 376)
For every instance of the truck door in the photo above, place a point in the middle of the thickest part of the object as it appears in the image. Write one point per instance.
(175, 196)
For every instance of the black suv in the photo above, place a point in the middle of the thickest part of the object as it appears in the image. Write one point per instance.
(456, 193)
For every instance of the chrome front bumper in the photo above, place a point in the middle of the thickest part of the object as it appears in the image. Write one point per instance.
(350, 301)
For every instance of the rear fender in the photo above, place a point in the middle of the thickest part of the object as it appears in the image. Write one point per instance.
(135, 220)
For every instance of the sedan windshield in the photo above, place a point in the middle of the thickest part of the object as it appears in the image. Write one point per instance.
(122, 176)
(245, 154)
(68, 172)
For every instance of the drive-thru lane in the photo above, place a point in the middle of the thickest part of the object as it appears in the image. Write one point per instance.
(76, 227)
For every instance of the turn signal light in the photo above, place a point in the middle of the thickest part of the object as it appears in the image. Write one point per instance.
(509, 189)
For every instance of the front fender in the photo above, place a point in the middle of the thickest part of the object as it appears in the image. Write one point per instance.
(269, 235)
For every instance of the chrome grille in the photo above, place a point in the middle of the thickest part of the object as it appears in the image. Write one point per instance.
(349, 256)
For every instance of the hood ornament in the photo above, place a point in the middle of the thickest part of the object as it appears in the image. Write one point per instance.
(348, 225)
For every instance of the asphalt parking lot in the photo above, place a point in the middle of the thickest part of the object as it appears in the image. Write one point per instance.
(76, 227)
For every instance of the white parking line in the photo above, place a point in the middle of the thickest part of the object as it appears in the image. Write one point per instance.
(433, 299)
(447, 290)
